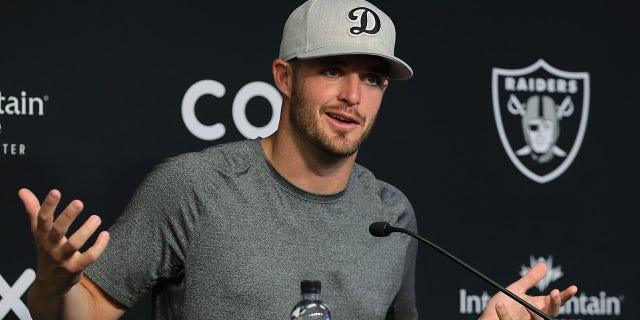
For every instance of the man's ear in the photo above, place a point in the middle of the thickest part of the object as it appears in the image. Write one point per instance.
(282, 76)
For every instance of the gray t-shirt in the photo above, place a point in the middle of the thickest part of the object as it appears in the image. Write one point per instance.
(219, 234)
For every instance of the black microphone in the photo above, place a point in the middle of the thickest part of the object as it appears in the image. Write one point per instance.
(383, 229)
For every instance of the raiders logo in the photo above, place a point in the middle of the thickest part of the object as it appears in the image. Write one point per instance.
(541, 115)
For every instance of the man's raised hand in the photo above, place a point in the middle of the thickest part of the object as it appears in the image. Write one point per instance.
(60, 262)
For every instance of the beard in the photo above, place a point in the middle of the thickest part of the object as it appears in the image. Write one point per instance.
(304, 120)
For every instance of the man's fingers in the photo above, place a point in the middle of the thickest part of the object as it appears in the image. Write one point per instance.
(78, 239)
(568, 293)
(31, 206)
(93, 253)
(530, 279)
(48, 207)
(65, 219)
(501, 310)
(555, 302)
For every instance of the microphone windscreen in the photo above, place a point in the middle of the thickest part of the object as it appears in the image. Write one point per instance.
(379, 229)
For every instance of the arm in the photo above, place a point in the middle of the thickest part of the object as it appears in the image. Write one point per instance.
(60, 290)
(504, 308)
(403, 306)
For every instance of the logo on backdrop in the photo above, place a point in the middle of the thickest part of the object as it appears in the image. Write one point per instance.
(541, 115)
(13, 107)
(553, 273)
(238, 109)
(10, 296)
(581, 306)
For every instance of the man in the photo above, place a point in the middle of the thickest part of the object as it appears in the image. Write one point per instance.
(229, 232)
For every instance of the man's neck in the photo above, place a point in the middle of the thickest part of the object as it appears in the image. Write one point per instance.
(309, 171)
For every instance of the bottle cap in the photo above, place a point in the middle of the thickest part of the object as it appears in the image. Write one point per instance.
(310, 286)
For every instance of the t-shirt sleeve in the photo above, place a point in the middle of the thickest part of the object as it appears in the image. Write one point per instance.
(404, 303)
(148, 242)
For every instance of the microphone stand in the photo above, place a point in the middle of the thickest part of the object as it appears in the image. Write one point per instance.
(389, 228)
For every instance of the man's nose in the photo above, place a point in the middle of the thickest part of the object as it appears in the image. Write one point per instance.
(350, 89)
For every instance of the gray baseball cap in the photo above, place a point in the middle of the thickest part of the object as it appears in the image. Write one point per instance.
(322, 28)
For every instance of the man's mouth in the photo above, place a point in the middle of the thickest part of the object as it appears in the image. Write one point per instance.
(344, 118)
(340, 118)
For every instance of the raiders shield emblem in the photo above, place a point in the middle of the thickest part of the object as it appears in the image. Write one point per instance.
(541, 115)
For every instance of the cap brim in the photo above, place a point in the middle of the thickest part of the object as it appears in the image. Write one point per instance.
(398, 69)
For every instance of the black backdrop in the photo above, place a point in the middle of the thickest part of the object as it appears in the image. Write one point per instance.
(106, 84)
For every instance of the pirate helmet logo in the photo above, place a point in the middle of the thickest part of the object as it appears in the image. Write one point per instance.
(534, 128)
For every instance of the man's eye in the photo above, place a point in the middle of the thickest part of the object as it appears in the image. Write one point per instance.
(374, 80)
(332, 72)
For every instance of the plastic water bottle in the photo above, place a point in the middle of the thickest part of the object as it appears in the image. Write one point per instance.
(310, 307)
